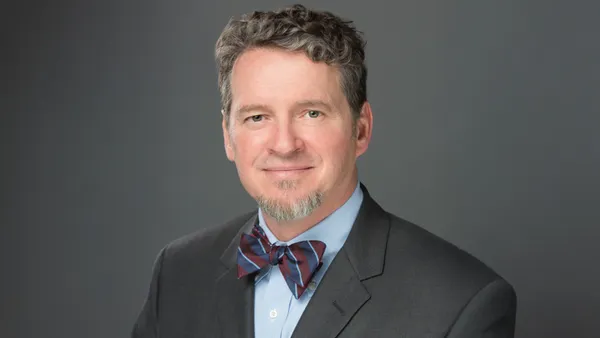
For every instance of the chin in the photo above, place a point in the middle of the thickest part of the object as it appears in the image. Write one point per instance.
(287, 191)
(290, 208)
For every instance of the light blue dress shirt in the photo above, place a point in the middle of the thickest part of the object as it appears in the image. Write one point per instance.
(276, 310)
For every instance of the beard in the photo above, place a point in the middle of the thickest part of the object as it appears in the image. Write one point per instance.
(282, 211)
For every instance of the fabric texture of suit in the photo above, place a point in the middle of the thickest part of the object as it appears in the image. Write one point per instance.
(391, 279)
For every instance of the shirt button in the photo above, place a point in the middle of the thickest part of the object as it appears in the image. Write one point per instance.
(312, 286)
(273, 313)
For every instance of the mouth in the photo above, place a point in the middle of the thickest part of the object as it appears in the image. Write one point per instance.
(287, 172)
(287, 168)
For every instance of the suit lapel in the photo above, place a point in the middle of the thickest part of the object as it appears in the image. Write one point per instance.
(339, 295)
(341, 292)
(235, 297)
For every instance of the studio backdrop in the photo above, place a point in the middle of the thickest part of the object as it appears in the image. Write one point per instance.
(486, 121)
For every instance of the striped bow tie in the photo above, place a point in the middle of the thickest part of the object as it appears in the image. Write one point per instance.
(298, 262)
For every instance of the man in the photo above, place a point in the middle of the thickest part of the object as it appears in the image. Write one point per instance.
(319, 258)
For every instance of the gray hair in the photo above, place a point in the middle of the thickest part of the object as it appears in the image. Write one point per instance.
(322, 36)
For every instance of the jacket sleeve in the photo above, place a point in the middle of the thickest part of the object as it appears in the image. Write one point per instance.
(146, 325)
(489, 314)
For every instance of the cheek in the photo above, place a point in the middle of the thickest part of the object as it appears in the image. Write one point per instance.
(336, 150)
(247, 148)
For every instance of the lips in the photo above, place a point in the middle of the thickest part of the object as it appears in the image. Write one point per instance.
(287, 172)
(288, 168)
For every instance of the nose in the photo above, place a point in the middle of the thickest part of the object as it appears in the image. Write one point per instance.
(286, 140)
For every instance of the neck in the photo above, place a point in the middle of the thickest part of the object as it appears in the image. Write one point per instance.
(287, 230)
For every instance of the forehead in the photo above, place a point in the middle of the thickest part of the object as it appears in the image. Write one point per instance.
(279, 78)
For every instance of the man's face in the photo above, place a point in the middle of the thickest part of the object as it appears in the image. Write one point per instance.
(291, 133)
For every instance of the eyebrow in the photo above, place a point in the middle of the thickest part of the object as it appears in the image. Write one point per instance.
(251, 107)
(313, 103)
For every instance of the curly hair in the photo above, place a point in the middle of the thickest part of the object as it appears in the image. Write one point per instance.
(321, 35)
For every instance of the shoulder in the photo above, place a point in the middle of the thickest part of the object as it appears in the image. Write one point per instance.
(432, 258)
(206, 244)
(446, 283)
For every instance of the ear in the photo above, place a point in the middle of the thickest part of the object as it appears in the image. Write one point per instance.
(364, 129)
(227, 139)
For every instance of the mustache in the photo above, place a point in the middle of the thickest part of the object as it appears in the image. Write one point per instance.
(291, 160)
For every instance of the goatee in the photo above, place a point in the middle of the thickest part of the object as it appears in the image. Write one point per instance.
(285, 212)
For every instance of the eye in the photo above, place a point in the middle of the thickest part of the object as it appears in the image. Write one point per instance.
(255, 118)
(313, 114)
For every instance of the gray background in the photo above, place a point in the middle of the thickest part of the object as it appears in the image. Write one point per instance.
(486, 119)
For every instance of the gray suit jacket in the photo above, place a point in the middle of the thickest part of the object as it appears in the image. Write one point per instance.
(391, 279)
